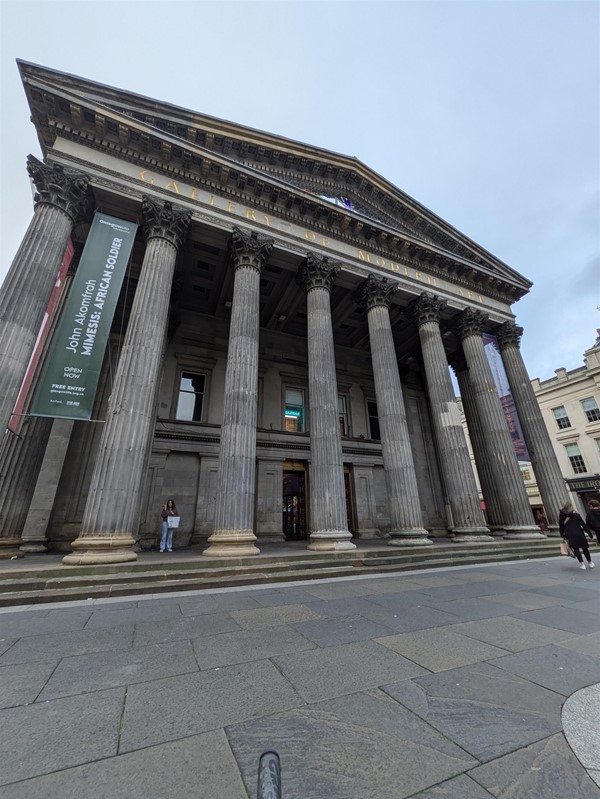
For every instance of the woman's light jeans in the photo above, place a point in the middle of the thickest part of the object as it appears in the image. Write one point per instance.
(166, 537)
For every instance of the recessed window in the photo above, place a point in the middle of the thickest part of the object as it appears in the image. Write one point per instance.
(293, 414)
(191, 397)
(590, 406)
(373, 420)
(343, 416)
(562, 420)
(574, 456)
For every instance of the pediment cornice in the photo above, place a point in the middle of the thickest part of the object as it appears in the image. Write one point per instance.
(279, 176)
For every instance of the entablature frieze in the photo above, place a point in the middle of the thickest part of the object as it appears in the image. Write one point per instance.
(318, 215)
(127, 179)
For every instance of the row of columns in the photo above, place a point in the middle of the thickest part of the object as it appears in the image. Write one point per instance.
(112, 508)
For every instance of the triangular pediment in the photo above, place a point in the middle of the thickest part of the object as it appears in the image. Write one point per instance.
(325, 187)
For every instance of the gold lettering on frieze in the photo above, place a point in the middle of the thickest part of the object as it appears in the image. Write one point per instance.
(212, 199)
(172, 186)
(230, 206)
(431, 280)
(380, 262)
(362, 256)
(250, 214)
(145, 179)
(395, 267)
(417, 275)
(267, 220)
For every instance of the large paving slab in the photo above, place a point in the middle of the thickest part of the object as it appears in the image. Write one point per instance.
(408, 619)
(78, 642)
(318, 746)
(341, 630)
(30, 623)
(469, 610)
(184, 627)
(21, 684)
(555, 667)
(82, 673)
(544, 770)
(586, 644)
(247, 645)
(337, 670)
(114, 618)
(49, 736)
(165, 710)
(484, 710)
(217, 602)
(461, 787)
(565, 618)
(267, 617)
(440, 649)
(200, 766)
(510, 633)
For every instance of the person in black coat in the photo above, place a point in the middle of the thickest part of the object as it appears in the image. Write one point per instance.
(573, 528)
(592, 518)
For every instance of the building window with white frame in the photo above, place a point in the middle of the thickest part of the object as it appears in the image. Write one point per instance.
(190, 401)
(373, 420)
(293, 413)
(590, 407)
(575, 458)
(562, 420)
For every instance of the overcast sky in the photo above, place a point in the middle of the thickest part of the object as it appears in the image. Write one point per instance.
(487, 112)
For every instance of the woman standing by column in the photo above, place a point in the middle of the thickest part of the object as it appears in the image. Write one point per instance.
(167, 513)
(573, 528)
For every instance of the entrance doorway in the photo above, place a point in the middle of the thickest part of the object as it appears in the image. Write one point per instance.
(294, 504)
(349, 500)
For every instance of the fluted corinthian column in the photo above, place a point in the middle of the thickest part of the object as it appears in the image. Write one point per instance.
(477, 438)
(233, 534)
(62, 198)
(113, 501)
(550, 481)
(512, 496)
(328, 518)
(401, 481)
(459, 480)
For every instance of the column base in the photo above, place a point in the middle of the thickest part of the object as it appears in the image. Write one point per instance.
(98, 549)
(331, 541)
(9, 548)
(523, 533)
(477, 535)
(231, 544)
(410, 538)
(34, 546)
(553, 532)
(497, 531)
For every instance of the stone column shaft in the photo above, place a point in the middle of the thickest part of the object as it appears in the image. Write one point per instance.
(459, 480)
(401, 480)
(233, 534)
(328, 517)
(477, 438)
(61, 199)
(113, 501)
(550, 481)
(516, 510)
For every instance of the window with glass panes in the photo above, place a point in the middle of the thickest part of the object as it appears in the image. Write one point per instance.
(293, 414)
(562, 420)
(191, 397)
(373, 420)
(590, 406)
(574, 455)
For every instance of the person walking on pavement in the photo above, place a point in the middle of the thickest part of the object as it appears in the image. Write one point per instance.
(573, 528)
(166, 538)
(592, 518)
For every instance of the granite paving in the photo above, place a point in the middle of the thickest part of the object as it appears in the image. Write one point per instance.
(446, 683)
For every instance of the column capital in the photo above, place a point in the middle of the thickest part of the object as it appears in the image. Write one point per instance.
(248, 248)
(317, 272)
(62, 188)
(509, 335)
(427, 307)
(375, 291)
(469, 323)
(160, 220)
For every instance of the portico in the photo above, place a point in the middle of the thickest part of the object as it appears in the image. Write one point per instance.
(279, 356)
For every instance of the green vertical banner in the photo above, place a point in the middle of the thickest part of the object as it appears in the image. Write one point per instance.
(67, 386)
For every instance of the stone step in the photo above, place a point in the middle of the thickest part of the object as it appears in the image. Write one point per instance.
(31, 591)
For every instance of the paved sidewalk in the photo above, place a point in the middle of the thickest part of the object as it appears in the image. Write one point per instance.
(438, 684)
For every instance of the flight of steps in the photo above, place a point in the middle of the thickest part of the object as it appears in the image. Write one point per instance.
(153, 574)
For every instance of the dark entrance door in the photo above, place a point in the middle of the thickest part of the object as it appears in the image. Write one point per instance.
(294, 506)
(349, 501)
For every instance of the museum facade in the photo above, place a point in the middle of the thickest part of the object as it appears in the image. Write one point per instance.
(278, 359)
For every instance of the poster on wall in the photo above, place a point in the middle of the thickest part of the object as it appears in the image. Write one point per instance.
(492, 352)
(69, 380)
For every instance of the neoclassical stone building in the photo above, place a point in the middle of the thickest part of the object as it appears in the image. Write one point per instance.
(279, 358)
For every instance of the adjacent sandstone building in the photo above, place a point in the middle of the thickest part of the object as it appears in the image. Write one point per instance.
(279, 357)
